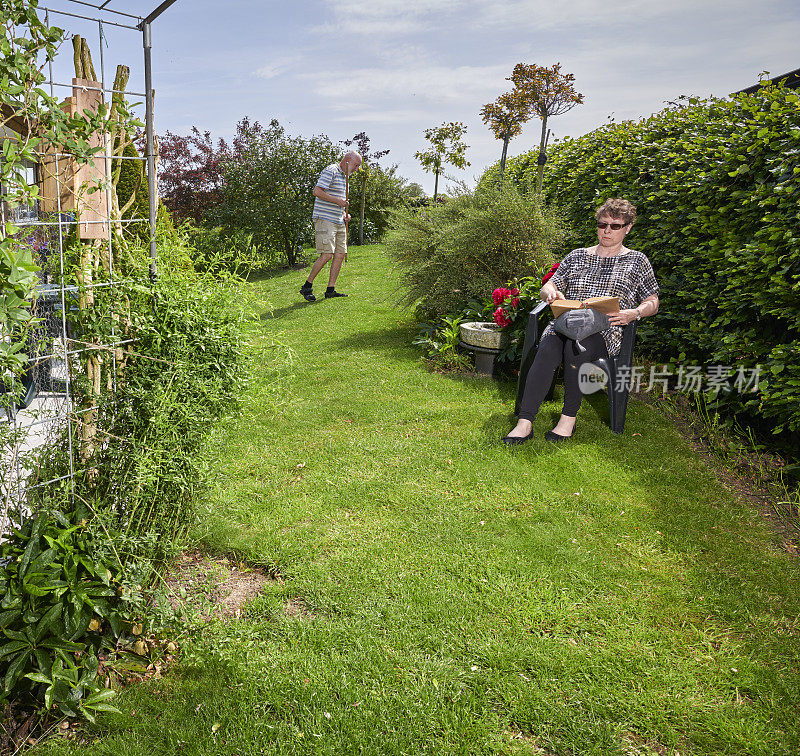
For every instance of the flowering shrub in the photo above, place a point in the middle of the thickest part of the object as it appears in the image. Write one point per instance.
(508, 299)
(549, 274)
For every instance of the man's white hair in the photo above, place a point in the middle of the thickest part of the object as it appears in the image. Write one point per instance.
(352, 154)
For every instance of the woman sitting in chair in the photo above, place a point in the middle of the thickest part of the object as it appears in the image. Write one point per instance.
(607, 269)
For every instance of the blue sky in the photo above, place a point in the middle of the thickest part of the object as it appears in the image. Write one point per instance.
(393, 68)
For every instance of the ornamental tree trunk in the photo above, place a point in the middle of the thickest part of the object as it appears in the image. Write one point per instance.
(542, 156)
(435, 185)
(503, 156)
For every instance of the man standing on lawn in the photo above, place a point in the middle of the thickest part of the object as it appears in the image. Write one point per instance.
(330, 217)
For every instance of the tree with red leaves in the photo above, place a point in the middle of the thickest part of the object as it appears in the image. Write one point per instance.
(190, 173)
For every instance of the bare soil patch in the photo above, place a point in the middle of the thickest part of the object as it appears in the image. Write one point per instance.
(296, 609)
(214, 586)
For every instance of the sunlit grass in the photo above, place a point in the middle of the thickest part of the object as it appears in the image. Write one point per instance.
(461, 597)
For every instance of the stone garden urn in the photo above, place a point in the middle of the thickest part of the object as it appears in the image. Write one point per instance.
(486, 340)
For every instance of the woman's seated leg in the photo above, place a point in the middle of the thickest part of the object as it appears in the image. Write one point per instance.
(595, 348)
(540, 377)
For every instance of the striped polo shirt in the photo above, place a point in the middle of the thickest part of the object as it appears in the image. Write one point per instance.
(332, 181)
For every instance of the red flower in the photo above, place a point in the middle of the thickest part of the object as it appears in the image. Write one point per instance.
(514, 301)
(499, 295)
(549, 274)
(501, 318)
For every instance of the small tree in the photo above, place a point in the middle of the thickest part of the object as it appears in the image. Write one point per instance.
(505, 117)
(548, 93)
(446, 147)
(361, 142)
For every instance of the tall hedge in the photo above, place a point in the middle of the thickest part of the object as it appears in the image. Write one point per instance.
(717, 188)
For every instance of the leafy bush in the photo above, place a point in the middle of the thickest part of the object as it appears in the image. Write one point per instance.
(269, 178)
(183, 374)
(235, 251)
(468, 246)
(61, 588)
(158, 398)
(76, 568)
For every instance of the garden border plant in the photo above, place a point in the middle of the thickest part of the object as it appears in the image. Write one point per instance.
(461, 250)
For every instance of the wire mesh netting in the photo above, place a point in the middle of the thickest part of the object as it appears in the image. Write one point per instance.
(89, 233)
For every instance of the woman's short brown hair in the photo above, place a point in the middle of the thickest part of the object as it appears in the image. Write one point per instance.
(617, 208)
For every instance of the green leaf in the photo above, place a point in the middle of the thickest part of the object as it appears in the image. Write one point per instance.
(11, 648)
(47, 621)
(16, 670)
(102, 695)
(31, 550)
(39, 677)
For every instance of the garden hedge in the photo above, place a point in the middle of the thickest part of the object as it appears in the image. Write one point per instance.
(716, 184)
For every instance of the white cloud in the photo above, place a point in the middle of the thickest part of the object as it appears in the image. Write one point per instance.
(276, 67)
(429, 83)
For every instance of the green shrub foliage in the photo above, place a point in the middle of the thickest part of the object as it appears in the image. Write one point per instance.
(62, 604)
(183, 374)
(716, 184)
(268, 186)
(179, 370)
(466, 247)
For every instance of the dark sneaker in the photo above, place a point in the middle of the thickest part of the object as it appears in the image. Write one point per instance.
(334, 293)
(308, 294)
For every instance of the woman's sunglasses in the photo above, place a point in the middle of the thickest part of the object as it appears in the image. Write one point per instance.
(612, 226)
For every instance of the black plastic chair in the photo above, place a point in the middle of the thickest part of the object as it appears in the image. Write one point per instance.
(615, 368)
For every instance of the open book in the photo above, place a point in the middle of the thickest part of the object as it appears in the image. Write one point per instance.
(606, 305)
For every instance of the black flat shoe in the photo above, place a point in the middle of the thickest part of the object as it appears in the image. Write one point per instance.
(308, 295)
(516, 440)
(331, 294)
(550, 436)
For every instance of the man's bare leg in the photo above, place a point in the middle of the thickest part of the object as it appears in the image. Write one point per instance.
(336, 266)
(320, 263)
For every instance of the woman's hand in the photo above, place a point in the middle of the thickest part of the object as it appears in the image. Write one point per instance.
(553, 294)
(623, 317)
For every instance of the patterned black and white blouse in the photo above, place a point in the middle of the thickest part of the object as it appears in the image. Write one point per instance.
(627, 275)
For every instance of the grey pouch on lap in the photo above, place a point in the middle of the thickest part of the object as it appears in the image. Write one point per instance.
(578, 324)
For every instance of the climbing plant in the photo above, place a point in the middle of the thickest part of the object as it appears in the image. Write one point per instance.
(31, 120)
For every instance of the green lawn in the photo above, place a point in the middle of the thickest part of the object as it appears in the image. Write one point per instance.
(605, 596)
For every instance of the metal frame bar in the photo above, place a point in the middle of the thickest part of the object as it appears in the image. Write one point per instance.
(101, 89)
